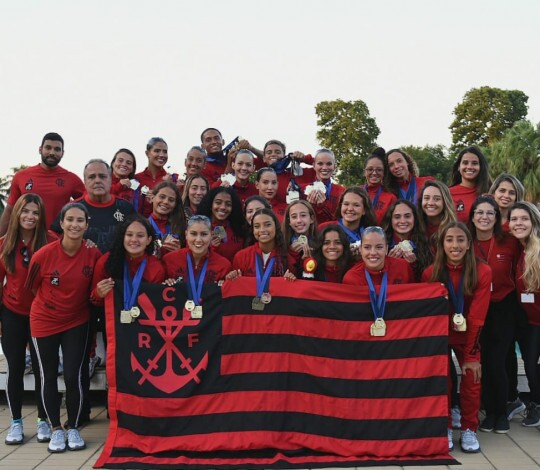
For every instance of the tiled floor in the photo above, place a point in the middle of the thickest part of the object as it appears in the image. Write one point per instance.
(517, 450)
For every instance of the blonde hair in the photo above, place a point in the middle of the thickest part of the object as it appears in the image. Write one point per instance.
(531, 270)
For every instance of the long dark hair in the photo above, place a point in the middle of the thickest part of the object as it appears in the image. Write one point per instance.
(177, 218)
(236, 217)
(369, 218)
(345, 261)
(280, 246)
(114, 266)
(498, 232)
(483, 181)
(132, 155)
(391, 182)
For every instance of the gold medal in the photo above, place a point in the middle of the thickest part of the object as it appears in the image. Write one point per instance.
(135, 312)
(125, 316)
(189, 305)
(197, 312)
(378, 327)
(266, 298)
(459, 322)
(256, 304)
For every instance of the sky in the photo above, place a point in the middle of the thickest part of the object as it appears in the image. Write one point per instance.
(108, 74)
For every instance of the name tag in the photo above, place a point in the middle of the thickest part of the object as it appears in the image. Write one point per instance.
(527, 298)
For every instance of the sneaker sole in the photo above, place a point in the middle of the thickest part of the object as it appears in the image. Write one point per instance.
(44, 439)
(14, 443)
(501, 431)
(471, 451)
(73, 449)
(486, 429)
(532, 425)
(516, 412)
(56, 451)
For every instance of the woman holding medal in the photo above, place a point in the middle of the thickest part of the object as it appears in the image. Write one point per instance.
(123, 167)
(524, 224)
(167, 219)
(375, 171)
(266, 258)
(405, 239)
(501, 251)
(195, 188)
(469, 288)
(223, 207)
(60, 275)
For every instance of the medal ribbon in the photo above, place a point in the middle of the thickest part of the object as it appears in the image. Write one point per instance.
(375, 200)
(352, 236)
(328, 185)
(131, 287)
(157, 230)
(281, 165)
(263, 275)
(459, 299)
(410, 194)
(195, 285)
(378, 304)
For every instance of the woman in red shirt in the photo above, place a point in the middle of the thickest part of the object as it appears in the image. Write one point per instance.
(267, 185)
(501, 251)
(26, 234)
(469, 283)
(470, 179)
(195, 188)
(60, 275)
(524, 224)
(123, 167)
(506, 189)
(375, 171)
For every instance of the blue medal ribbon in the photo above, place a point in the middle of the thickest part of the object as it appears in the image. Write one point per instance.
(195, 285)
(159, 234)
(375, 200)
(328, 185)
(135, 200)
(352, 236)
(281, 165)
(131, 287)
(263, 275)
(378, 304)
(459, 299)
(410, 194)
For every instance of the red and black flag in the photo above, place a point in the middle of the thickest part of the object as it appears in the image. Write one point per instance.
(299, 384)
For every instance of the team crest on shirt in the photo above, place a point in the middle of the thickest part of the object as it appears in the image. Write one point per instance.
(55, 278)
(29, 185)
(460, 206)
(60, 182)
(119, 216)
(87, 271)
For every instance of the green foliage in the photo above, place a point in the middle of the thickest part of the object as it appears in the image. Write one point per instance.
(518, 153)
(5, 185)
(485, 114)
(432, 161)
(347, 128)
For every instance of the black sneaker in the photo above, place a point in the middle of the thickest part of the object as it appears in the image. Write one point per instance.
(502, 426)
(488, 424)
(533, 415)
(513, 408)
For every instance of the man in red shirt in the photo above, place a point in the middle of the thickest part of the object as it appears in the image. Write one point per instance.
(56, 185)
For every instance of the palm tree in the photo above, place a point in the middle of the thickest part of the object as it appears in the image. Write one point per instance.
(518, 153)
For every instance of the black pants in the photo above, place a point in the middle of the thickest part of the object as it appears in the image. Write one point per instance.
(530, 360)
(520, 334)
(15, 337)
(496, 340)
(74, 351)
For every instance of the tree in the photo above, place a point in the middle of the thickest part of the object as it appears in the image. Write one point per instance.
(350, 132)
(518, 153)
(5, 186)
(485, 114)
(433, 161)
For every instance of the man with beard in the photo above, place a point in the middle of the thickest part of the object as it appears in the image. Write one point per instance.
(48, 179)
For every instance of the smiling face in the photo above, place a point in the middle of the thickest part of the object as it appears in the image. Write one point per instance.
(324, 166)
(243, 167)
(212, 141)
(197, 191)
(136, 239)
(332, 248)
(432, 202)
(198, 238)
(29, 216)
(264, 231)
(403, 221)
(74, 224)
(194, 162)
(300, 219)
(505, 194)
(164, 202)
(484, 217)
(456, 245)
(251, 208)
(221, 207)
(398, 166)
(158, 155)
(373, 250)
(520, 224)
(123, 165)
(272, 153)
(352, 209)
(374, 171)
(267, 185)
(469, 168)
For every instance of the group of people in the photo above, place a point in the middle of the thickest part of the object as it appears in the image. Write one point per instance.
(239, 211)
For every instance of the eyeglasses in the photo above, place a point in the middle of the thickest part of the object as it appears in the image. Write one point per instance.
(25, 255)
(489, 214)
(374, 170)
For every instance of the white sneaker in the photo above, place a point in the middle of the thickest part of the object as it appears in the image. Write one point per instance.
(15, 435)
(43, 431)
(450, 440)
(469, 441)
(57, 442)
(75, 441)
(456, 417)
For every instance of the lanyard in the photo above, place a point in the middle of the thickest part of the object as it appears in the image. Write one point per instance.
(131, 287)
(328, 186)
(375, 200)
(410, 194)
(263, 275)
(157, 230)
(352, 236)
(458, 300)
(479, 245)
(378, 304)
(195, 285)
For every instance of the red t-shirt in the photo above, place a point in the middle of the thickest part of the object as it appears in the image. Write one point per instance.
(419, 181)
(381, 205)
(176, 266)
(213, 171)
(532, 309)
(63, 285)
(475, 308)
(56, 187)
(127, 194)
(145, 178)
(463, 200)
(279, 208)
(244, 260)
(327, 210)
(397, 269)
(502, 256)
(153, 272)
(232, 245)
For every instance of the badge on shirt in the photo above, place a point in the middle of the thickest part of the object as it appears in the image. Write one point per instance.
(527, 298)
(55, 281)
